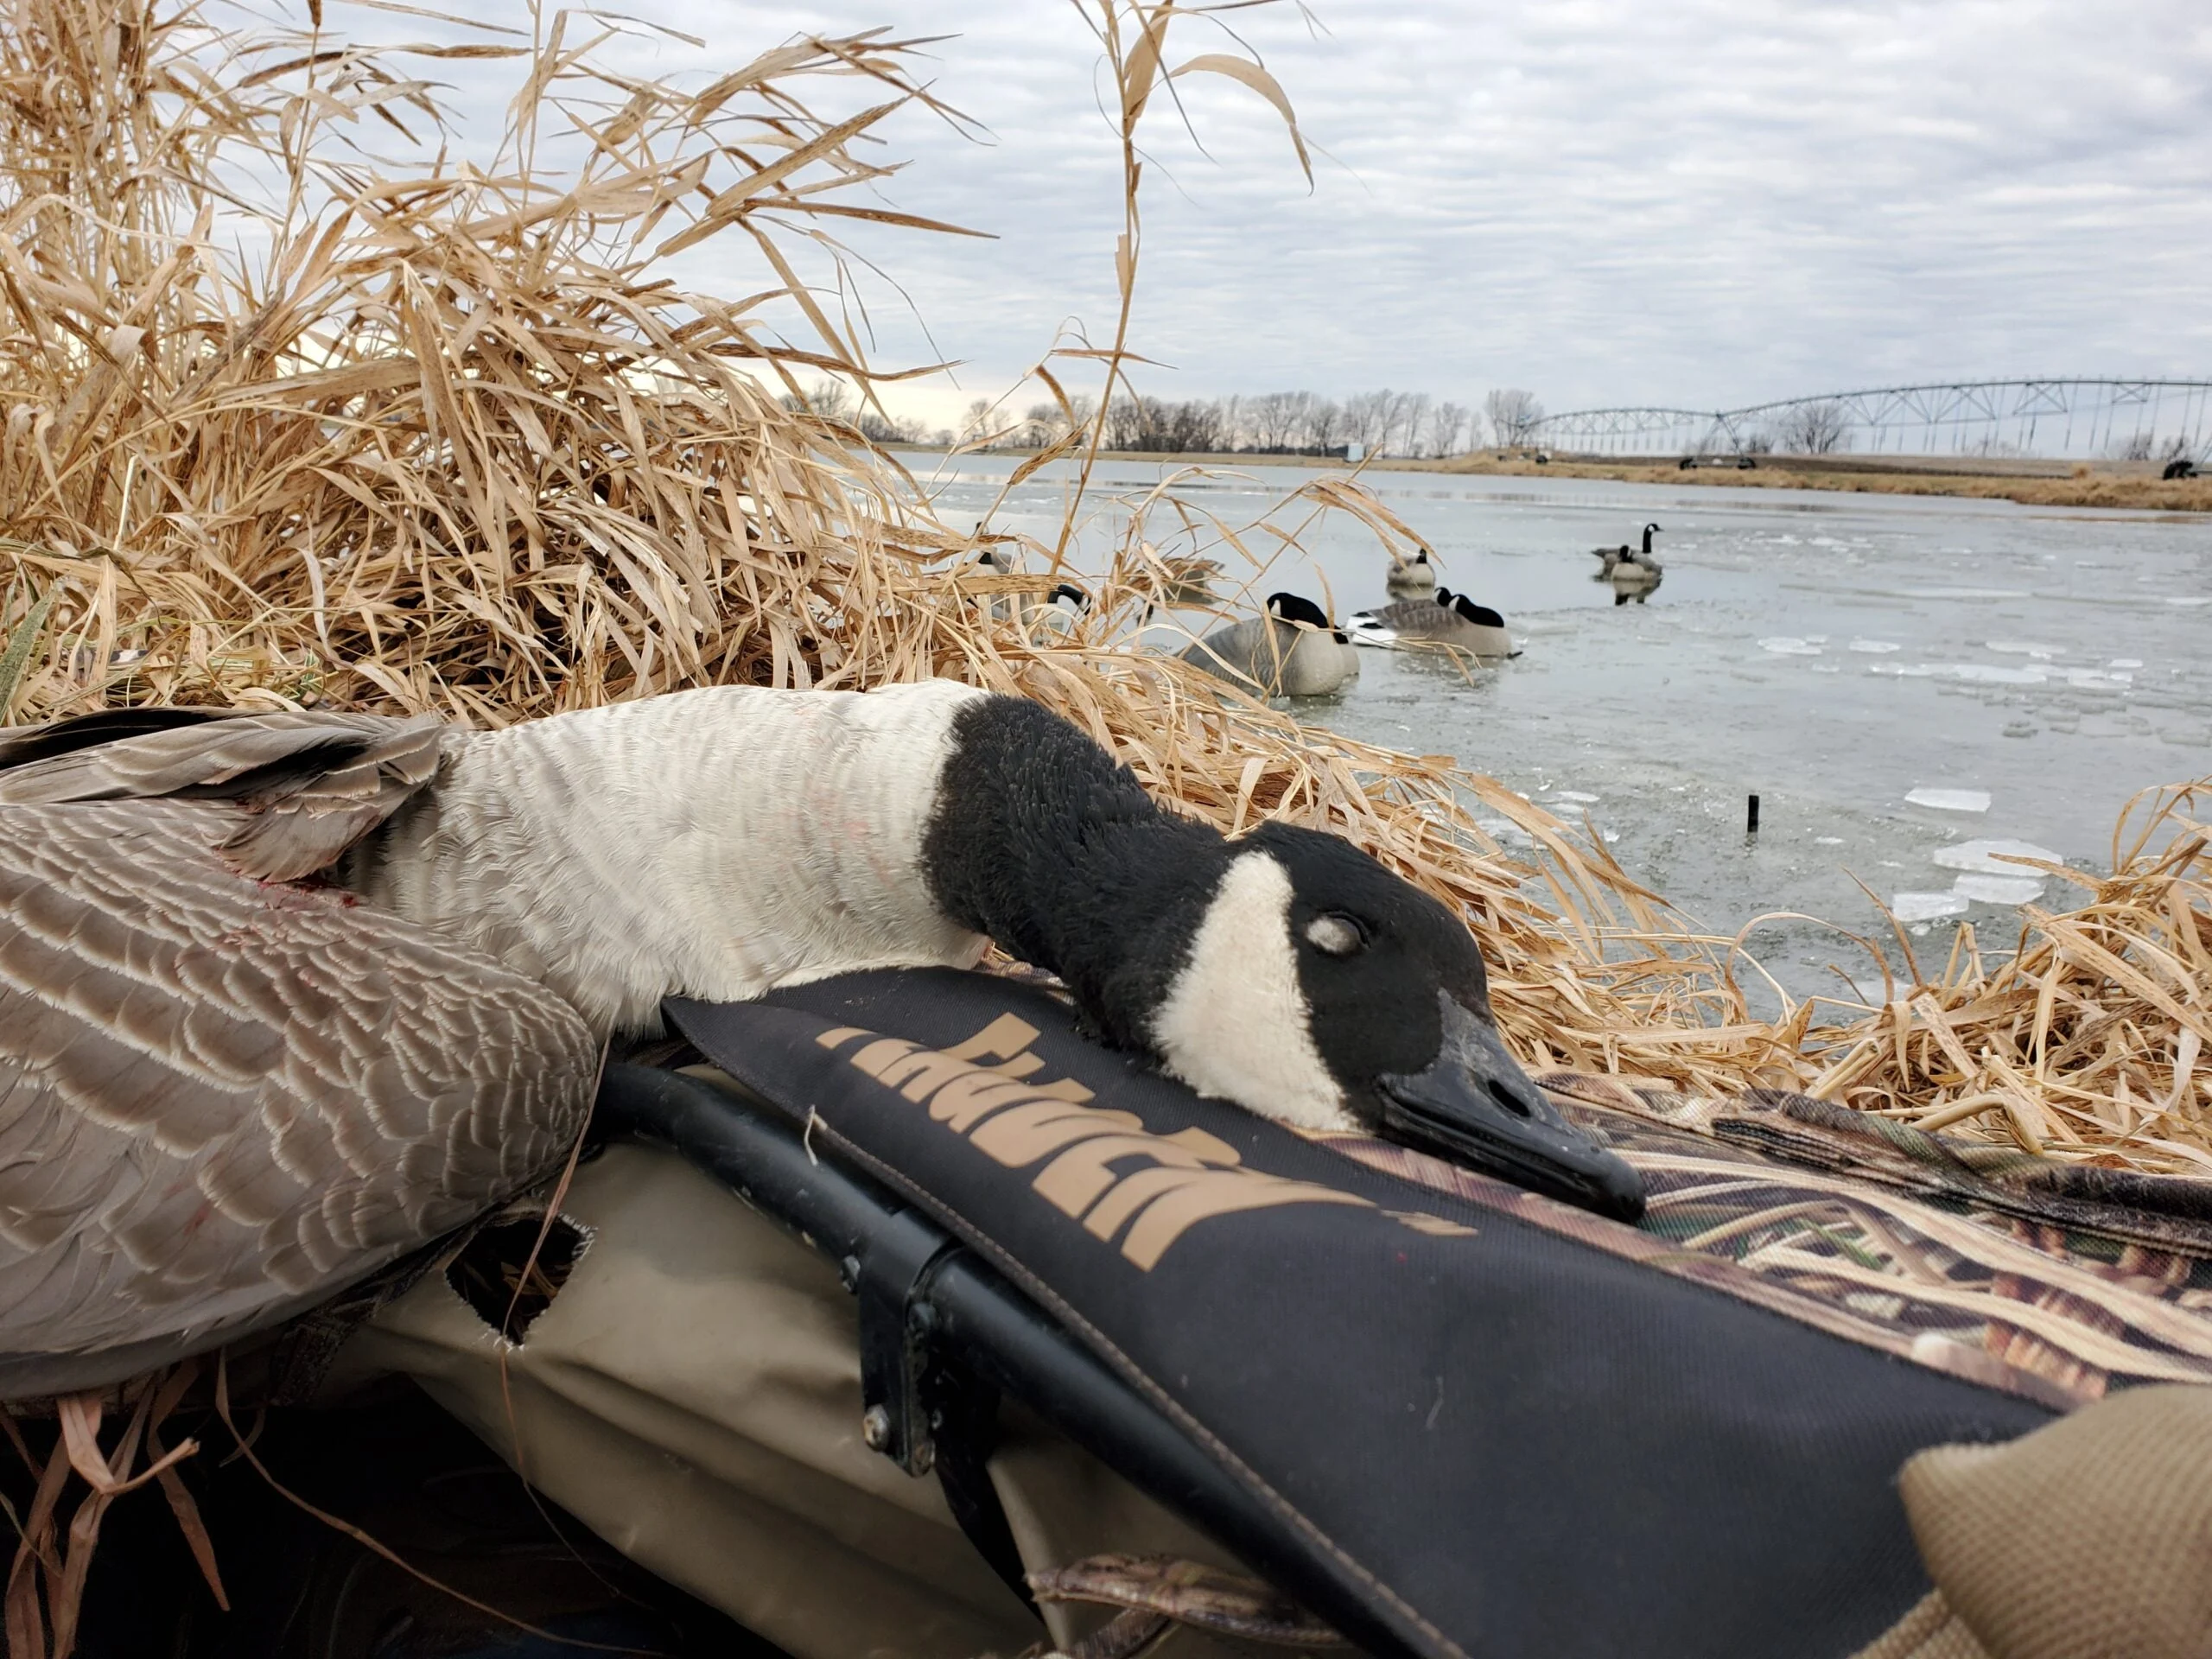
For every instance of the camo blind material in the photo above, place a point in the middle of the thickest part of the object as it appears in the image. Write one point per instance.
(2051, 1281)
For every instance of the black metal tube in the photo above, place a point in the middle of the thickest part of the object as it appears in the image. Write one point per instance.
(995, 1330)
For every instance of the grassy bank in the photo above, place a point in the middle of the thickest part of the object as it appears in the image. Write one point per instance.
(2131, 484)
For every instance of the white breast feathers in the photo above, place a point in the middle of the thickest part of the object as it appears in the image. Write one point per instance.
(714, 843)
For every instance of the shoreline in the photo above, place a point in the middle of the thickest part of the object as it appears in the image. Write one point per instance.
(2133, 485)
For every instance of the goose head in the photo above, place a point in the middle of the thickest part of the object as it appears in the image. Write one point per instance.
(1320, 989)
(1481, 615)
(1291, 608)
(1649, 531)
(1304, 613)
(1073, 595)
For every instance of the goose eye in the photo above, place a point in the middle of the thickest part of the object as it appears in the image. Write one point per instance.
(1335, 935)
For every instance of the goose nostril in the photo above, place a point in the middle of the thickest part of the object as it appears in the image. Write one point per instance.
(1508, 1098)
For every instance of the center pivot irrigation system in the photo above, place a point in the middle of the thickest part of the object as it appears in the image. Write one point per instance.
(2161, 420)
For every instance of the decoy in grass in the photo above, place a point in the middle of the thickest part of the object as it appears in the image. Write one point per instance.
(1449, 619)
(1291, 651)
(285, 996)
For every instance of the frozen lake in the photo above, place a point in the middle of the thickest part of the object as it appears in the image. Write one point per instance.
(1836, 654)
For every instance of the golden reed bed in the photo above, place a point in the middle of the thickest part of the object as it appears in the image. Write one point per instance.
(285, 419)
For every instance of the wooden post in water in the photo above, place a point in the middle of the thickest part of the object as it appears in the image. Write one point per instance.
(1751, 817)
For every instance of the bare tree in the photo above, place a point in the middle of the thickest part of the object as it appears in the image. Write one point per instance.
(832, 400)
(1819, 427)
(1447, 422)
(1326, 431)
(1513, 414)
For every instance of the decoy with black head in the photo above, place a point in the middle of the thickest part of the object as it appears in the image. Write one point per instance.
(1292, 650)
(1447, 618)
(285, 996)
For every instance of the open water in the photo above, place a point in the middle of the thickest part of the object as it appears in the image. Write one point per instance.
(1897, 678)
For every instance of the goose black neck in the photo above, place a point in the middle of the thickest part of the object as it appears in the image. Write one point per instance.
(1040, 841)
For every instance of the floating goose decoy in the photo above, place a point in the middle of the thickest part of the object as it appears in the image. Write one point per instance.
(1411, 576)
(1644, 563)
(285, 996)
(1292, 652)
(1449, 619)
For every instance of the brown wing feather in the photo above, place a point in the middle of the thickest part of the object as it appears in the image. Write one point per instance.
(313, 783)
(221, 1100)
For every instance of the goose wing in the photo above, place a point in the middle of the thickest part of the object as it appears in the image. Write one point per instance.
(312, 784)
(222, 1099)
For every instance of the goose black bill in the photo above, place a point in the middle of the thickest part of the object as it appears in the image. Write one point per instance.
(1475, 1105)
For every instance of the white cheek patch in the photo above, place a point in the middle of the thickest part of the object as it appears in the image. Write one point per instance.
(1235, 1025)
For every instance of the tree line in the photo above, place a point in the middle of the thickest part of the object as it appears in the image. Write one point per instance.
(1384, 423)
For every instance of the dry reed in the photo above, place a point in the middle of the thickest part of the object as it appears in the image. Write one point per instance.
(447, 439)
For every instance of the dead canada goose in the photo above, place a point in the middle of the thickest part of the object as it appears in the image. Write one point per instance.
(1292, 651)
(225, 1094)
(1411, 576)
(1449, 619)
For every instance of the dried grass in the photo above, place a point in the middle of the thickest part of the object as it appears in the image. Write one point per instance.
(449, 441)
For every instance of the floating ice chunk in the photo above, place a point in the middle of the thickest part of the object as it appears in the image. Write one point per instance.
(1503, 830)
(2024, 648)
(1786, 646)
(1927, 907)
(1876, 646)
(1575, 795)
(2125, 662)
(2023, 889)
(1827, 841)
(1978, 857)
(2192, 599)
(1951, 800)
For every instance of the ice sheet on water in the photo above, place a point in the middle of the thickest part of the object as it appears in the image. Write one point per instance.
(2125, 662)
(2023, 889)
(1951, 800)
(1978, 857)
(1876, 646)
(1927, 907)
(1575, 795)
(1503, 830)
(2024, 648)
(1788, 645)
(2082, 679)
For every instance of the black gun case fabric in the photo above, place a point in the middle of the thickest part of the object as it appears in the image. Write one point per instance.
(1493, 1436)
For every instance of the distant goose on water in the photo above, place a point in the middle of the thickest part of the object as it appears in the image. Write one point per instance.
(1411, 576)
(1292, 651)
(228, 1091)
(1636, 570)
(1449, 619)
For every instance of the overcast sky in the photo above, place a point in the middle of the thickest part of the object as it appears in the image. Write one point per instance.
(1606, 201)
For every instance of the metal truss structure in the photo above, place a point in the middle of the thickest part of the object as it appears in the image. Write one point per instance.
(2079, 417)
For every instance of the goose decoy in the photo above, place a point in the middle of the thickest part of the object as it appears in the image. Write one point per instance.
(1294, 650)
(1612, 556)
(1636, 565)
(285, 996)
(1411, 576)
(1449, 619)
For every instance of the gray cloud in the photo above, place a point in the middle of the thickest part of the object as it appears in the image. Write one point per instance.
(1697, 202)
